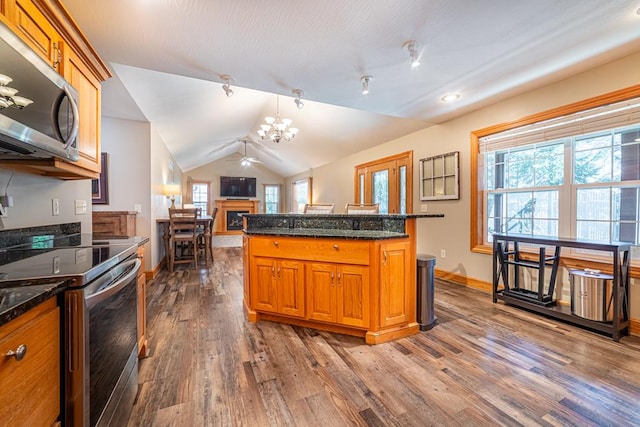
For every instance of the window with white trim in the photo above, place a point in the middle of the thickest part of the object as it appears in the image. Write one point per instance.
(573, 176)
(271, 198)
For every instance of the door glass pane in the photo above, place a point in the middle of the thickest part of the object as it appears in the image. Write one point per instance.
(200, 197)
(381, 190)
(361, 195)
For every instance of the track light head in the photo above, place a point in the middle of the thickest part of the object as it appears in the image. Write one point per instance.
(365, 84)
(298, 93)
(227, 89)
(413, 49)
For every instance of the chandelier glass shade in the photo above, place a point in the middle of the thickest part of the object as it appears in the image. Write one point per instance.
(277, 129)
(8, 97)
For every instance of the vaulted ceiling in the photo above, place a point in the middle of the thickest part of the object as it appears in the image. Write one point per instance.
(168, 58)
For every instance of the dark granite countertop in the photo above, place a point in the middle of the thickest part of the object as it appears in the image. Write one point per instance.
(18, 298)
(319, 233)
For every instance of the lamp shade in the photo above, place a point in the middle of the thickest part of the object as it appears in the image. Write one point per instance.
(171, 189)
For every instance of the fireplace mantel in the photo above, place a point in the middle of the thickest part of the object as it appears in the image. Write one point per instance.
(226, 205)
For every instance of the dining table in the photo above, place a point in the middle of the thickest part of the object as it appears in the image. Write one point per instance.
(205, 221)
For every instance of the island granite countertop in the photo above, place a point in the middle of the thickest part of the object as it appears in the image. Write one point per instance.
(338, 226)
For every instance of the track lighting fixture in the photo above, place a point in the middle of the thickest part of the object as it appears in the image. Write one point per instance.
(227, 89)
(298, 93)
(365, 84)
(412, 47)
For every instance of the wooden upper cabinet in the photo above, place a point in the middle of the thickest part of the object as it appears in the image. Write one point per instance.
(34, 28)
(88, 87)
(47, 27)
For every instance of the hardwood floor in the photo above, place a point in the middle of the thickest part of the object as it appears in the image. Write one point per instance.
(482, 364)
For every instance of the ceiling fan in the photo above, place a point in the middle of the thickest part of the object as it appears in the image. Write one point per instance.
(246, 161)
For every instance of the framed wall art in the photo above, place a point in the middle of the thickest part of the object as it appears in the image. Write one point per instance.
(439, 177)
(100, 186)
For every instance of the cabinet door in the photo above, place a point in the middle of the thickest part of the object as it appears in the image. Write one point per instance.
(353, 295)
(263, 281)
(321, 288)
(290, 287)
(245, 271)
(36, 31)
(395, 298)
(88, 87)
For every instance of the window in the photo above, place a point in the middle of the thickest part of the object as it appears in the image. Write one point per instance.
(200, 196)
(301, 194)
(271, 198)
(387, 182)
(575, 174)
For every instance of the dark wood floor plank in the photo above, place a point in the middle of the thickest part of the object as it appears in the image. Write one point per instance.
(482, 364)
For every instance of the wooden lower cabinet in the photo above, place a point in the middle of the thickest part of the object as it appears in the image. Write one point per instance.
(363, 288)
(279, 286)
(338, 294)
(397, 297)
(30, 392)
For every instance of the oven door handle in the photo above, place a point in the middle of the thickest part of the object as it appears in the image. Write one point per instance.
(116, 286)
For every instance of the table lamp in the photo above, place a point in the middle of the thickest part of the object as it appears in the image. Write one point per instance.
(171, 190)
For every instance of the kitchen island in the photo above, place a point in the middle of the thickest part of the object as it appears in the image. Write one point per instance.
(350, 274)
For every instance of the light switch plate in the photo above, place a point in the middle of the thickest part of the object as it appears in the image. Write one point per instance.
(55, 207)
(423, 207)
(81, 207)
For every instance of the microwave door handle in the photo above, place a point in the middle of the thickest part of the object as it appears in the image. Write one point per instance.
(55, 111)
(114, 287)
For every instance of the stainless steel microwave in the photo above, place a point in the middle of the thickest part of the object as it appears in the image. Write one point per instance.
(38, 107)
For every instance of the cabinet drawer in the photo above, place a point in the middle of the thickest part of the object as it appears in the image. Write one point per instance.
(30, 393)
(327, 250)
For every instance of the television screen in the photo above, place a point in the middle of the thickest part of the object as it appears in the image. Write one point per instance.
(237, 186)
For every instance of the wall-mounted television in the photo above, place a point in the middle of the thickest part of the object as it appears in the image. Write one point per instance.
(237, 186)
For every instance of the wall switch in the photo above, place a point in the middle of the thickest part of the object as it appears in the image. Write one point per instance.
(137, 207)
(423, 207)
(81, 207)
(443, 253)
(55, 207)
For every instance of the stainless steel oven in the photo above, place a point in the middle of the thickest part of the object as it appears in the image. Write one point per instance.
(101, 347)
(100, 322)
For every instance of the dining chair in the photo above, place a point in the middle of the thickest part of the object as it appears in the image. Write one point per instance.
(318, 208)
(205, 237)
(183, 227)
(362, 208)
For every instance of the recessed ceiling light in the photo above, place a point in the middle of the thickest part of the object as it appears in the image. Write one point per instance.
(450, 97)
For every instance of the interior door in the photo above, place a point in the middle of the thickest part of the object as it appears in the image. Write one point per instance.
(386, 182)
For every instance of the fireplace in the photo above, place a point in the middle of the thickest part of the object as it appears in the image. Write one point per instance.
(229, 222)
(234, 220)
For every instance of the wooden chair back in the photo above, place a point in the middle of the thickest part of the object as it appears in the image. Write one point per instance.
(318, 208)
(362, 208)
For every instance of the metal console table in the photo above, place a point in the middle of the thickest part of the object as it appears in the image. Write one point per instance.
(506, 254)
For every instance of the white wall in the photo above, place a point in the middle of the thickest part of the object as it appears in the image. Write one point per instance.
(128, 145)
(230, 166)
(32, 196)
(161, 174)
(334, 181)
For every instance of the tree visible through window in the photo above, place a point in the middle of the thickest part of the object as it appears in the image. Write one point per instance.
(271, 198)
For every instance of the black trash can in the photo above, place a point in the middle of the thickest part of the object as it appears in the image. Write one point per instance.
(426, 315)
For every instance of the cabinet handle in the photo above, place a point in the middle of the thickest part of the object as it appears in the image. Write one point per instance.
(339, 280)
(278, 272)
(335, 247)
(273, 271)
(275, 243)
(332, 276)
(384, 256)
(56, 47)
(18, 353)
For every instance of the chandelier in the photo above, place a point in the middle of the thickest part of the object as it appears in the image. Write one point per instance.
(8, 97)
(277, 129)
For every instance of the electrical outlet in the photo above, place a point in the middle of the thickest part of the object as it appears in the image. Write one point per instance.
(137, 207)
(423, 207)
(443, 253)
(55, 207)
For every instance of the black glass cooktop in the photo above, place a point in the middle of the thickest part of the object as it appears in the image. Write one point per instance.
(81, 262)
